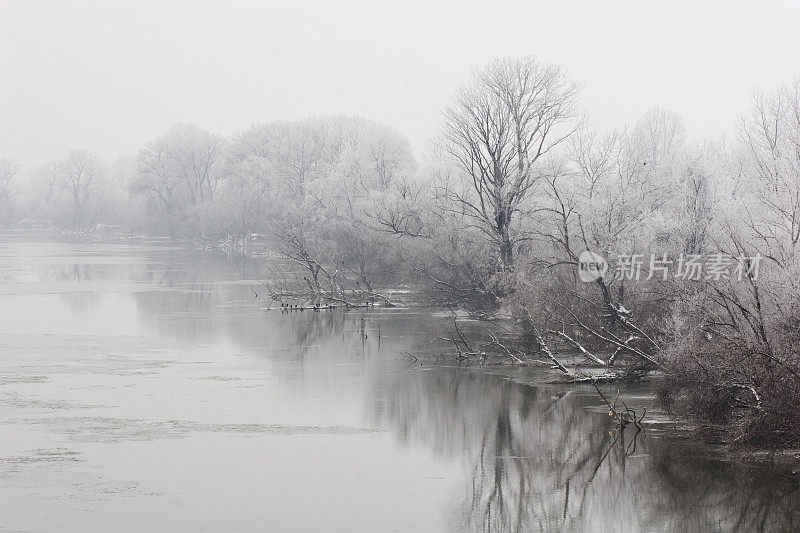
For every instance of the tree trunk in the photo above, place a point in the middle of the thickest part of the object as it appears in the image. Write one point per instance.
(503, 222)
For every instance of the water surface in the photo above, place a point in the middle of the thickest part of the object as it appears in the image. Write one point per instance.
(145, 387)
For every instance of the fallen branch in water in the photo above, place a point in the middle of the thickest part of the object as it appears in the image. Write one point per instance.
(589, 355)
(508, 352)
(622, 376)
(627, 415)
(612, 339)
(458, 339)
(411, 357)
(350, 299)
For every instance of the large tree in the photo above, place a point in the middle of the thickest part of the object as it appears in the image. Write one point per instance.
(501, 124)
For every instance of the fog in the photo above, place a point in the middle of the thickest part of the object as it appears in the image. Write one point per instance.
(109, 76)
(364, 256)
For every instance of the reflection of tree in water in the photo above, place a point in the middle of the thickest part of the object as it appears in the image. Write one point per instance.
(714, 495)
(312, 329)
(180, 297)
(547, 459)
(79, 301)
(538, 458)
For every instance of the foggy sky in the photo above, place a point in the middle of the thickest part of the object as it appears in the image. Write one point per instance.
(109, 76)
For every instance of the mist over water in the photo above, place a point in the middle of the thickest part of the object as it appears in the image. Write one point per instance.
(146, 387)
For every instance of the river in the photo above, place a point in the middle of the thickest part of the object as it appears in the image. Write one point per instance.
(146, 387)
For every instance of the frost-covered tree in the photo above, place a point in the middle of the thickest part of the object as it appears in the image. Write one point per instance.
(336, 185)
(79, 173)
(8, 171)
(180, 167)
(499, 128)
(179, 172)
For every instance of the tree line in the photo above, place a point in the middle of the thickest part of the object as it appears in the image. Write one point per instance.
(493, 220)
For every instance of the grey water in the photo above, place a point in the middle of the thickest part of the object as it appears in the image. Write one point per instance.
(147, 387)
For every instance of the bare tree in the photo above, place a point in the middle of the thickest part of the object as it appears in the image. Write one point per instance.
(181, 168)
(123, 172)
(658, 135)
(616, 194)
(343, 200)
(512, 113)
(771, 134)
(699, 167)
(298, 151)
(733, 360)
(79, 172)
(48, 176)
(8, 171)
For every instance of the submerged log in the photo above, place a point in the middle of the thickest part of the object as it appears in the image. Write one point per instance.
(623, 376)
